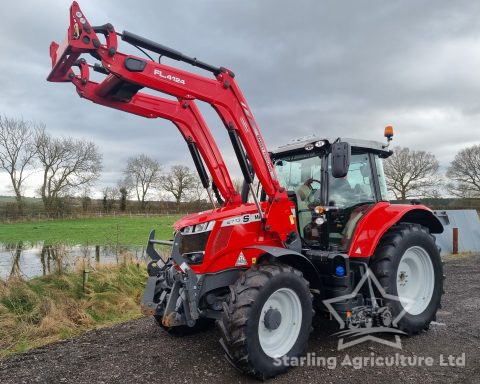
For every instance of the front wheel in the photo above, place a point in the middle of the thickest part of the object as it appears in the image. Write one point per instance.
(407, 264)
(269, 316)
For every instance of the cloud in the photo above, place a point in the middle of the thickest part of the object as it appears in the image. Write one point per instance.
(326, 67)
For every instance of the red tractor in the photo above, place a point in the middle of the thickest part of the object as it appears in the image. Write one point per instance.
(262, 261)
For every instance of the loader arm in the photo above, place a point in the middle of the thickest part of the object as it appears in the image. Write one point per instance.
(127, 74)
(185, 116)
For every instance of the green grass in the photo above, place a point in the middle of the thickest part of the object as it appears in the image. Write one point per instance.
(55, 307)
(93, 231)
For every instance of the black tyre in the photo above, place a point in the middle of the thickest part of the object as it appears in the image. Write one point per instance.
(269, 316)
(201, 324)
(407, 264)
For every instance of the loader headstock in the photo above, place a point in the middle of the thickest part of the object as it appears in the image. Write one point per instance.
(81, 38)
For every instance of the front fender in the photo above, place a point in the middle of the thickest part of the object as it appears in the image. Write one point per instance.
(295, 260)
(381, 217)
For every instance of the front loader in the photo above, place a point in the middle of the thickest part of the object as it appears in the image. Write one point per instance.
(261, 262)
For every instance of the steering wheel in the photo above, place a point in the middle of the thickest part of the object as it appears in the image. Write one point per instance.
(311, 195)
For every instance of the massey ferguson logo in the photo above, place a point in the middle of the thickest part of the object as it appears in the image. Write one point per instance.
(159, 73)
(244, 219)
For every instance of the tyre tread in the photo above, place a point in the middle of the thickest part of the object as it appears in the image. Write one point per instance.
(381, 263)
(235, 317)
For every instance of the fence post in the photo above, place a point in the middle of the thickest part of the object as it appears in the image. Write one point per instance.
(455, 241)
(85, 278)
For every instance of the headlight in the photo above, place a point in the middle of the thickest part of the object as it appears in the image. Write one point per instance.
(188, 229)
(309, 147)
(199, 228)
(203, 227)
(194, 257)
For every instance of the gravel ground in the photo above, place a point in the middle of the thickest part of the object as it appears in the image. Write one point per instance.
(139, 352)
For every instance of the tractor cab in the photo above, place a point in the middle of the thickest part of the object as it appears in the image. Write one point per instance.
(330, 201)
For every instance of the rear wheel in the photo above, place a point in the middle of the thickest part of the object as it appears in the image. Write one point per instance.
(269, 316)
(407, 264)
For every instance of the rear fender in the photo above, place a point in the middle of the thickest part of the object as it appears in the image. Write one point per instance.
(381, 218)
(295, 260)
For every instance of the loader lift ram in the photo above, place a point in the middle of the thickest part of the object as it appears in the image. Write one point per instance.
(260, 268)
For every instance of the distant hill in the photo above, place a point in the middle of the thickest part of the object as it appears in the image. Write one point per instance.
(11, 199)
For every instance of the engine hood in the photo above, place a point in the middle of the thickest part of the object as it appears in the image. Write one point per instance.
(217, 214)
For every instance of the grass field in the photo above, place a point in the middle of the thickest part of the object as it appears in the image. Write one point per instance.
(123, 230)
(55, 307)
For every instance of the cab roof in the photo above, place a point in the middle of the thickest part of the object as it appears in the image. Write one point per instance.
(367, 145)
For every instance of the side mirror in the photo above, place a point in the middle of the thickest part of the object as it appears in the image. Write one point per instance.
(340, 159)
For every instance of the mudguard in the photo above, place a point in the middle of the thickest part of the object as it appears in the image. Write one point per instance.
(294, 259)
(381, 217)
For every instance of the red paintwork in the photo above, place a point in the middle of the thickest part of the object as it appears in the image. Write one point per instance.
(220, 255)
(374, 224)
(216, 214)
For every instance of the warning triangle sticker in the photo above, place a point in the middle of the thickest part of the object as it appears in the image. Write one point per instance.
(241, 260)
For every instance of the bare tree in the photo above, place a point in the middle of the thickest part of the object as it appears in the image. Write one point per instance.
(141, 175)
(197, 192)
(464, 173)
(67, 164)
(411, 173)
(16, 152)
(180, 181)
(85, 199)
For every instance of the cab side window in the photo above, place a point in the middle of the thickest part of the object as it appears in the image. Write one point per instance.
(356, 187)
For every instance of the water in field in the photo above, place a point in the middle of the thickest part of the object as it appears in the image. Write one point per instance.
(29, 260)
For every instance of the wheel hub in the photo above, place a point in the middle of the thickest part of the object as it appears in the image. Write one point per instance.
(415, 280)
(280, 322)
(402, 278)
(272, 319)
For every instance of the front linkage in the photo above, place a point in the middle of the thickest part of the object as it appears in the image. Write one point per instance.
(177, 296)
(170, 294)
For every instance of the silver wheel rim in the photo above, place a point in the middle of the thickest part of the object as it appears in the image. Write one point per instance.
(415, 280)
(278, 342)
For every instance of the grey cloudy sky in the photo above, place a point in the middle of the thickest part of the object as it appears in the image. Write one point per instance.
(334, 68)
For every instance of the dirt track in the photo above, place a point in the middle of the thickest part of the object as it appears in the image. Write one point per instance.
(139, 352)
